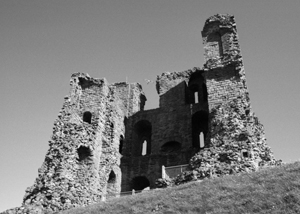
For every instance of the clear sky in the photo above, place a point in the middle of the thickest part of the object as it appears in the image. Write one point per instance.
(42, 42)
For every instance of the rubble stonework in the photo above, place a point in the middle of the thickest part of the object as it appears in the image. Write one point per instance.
(104, 142)
(82, 165)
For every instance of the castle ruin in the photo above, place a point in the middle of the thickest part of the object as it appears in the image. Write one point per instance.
(104, 142)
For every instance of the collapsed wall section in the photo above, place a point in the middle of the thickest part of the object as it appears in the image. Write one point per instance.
(82, 165)
(69, 175)
(237, 140)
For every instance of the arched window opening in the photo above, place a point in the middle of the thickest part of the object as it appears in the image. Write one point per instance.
(111, 177)
(144, 148)
(194, 93)
(197, 89)
(87, 117)
(199, 128)
(201, 139)
(84, 154)
(196, 97)
(140, 183)
(121, 144)
(171, 147)
(143, 132)
(111, 189)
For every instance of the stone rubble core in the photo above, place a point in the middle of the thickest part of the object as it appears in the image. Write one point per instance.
(104, 142)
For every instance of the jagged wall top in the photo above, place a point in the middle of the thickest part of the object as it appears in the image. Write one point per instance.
(225, 20)
(220, 39)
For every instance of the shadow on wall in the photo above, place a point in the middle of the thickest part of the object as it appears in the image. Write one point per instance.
(199, 129)
(143, 132)
(140, 183)
(171, 147)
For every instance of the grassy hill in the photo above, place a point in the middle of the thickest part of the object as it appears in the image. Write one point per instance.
(269, 190)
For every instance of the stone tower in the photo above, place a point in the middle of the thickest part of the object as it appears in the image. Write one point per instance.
(104, 142)
(212, 101)
(82, 164)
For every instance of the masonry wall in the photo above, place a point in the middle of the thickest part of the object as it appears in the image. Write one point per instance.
(165, 128)
(82, 165)
(171, 141)
(104, 142)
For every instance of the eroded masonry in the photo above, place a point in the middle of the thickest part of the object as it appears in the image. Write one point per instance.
(104, 142)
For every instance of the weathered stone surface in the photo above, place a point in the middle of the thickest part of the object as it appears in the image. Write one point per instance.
(104, 142)
(235, 140)
(82, 165)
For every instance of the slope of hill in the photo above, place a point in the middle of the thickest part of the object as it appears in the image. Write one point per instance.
(270, 190)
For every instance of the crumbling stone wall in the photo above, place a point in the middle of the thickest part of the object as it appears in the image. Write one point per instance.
(236, 140)
(104, 142)
(171, 129)
(82, 165)
(237, 144)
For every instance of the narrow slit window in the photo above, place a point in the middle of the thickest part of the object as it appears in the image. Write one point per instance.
(201, 138)
(121, 144)
(144, 149)
(196, 97)
(199, 128)
(142, 138)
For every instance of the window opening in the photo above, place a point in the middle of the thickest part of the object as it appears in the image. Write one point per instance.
(194, 93)
(111, 177)
(199, 125)
(87, 117)
(201, 138)
(142, 138)
(197, 91)
(144, 148)
(84, 154)
(196, 97)
(111, 184)
(121, 144)
(246, 154)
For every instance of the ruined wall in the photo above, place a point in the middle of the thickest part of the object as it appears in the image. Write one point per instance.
(165, 127)
(236, 139)
(225, 74)
(82, 165)
(168, 130)
(104, 142)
